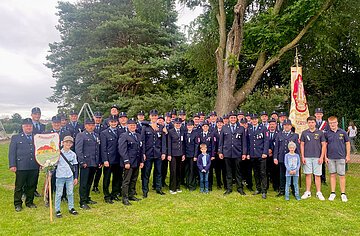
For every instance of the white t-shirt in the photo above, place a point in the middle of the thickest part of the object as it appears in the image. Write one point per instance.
(352, 131)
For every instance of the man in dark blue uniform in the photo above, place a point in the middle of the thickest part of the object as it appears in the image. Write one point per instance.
(233, 149)
(22, 162)
(74, 127)
(99, 127)
(123, 122)
(212, 124)
(111, 160)
(140, 121)
(246, 169)
(114, 111)
(219, 164)
(154, 148)
(275, 115)
(207, 138)
(38, 128)
(281, 148)
(264, 119)
(282, 117)
(176, 154)
(131, 158)
(258, 151)
(87, 151)
(272, 170)
(56, 128)
(191, 150)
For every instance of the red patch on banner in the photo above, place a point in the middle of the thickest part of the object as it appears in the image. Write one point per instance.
(299, 95)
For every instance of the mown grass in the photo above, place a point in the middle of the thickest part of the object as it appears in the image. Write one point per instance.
(187, 213)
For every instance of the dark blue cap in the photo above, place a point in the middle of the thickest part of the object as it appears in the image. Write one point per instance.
(89, 122)
(272, 120)
(177, 120)
(35, 110)
(27, 121)
(113, 118)
(287, 122)
(243, 121)
(196, 115)
(232, 113)
(56, 119)
(254, 116)
(115, 106)
(226, 116)
(282, 114)
(219, 119)
(241, 112)
(154, 112)
(131, 121)
(201, 113)
(213, 113)
(73, 112)
(190, 122)
(161, 117)
(248, 114)
(141, 113)
(122, 114)
(182, 112)
(173, 112)
(97, 114)
(168, 114)
(263, 113)
(205, 123)
(274, 112)
(319, 110)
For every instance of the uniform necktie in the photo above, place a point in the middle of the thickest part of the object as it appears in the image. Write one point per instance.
(37, 126)
(29, 137)
(133, 134)
(271, 135)
(74, 124)
(232, 128)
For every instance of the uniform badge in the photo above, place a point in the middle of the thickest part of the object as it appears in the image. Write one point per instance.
(316, 136)
(341, 136)
(181, 138)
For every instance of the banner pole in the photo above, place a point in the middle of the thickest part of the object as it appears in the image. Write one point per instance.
(50, 200)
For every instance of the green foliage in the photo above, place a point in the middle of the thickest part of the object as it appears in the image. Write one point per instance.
(268, 99)
(196, 213)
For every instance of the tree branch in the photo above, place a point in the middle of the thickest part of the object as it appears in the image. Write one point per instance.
(241, 94)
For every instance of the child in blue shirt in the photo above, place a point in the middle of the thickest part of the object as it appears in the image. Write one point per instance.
(203, 163)
(292, 164)
(66, 176)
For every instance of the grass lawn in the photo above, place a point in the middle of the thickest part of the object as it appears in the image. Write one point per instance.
(187, 213)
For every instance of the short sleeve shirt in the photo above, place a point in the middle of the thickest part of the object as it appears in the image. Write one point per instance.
(336, 148)
(312, 141)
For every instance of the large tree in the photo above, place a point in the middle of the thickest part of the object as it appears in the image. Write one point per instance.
(255, 34)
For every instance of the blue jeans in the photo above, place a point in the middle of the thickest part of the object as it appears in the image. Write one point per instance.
(296, 186)
(60, 182)
(204, 181)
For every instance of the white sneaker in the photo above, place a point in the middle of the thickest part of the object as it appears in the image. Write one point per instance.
(344, 198)
(179, 191)
(320, 196)
(173, 192)
(332, 197)
(306, 195)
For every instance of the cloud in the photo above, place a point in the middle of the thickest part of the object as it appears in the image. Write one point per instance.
(27, 27)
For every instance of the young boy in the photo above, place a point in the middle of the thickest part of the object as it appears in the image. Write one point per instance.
(292, 164)
(66, 176)
(203, 163)
(338, 154)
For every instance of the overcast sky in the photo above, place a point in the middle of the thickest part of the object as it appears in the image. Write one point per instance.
(27, 27)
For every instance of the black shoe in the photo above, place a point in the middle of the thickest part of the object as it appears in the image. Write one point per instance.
(160, 192)
(32, 205)
(227, 192)
(109, 201)
(73, 212)
(96, 190)
(145, 195)
(116, 199)
(85, 207)
(126, 202)
(256, 192)
(280, 194)
(58, 214)
(36, 194)
(241, 191)
(91, 202)
(18, 208)
(263, 195)
(135, 193)
(135, 199)
(165, 185)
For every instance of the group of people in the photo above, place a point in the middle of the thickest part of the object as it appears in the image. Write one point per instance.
(232, 148)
